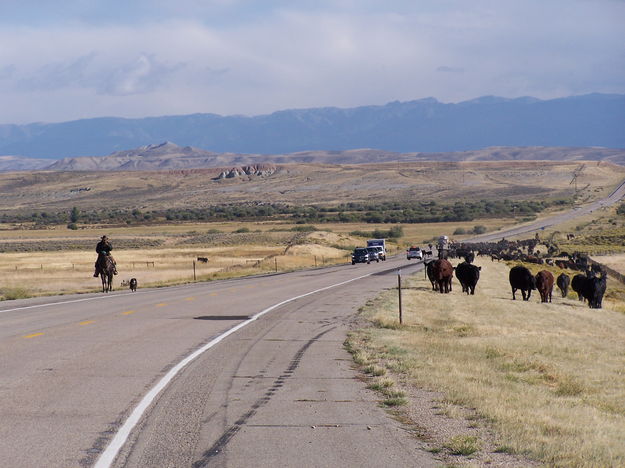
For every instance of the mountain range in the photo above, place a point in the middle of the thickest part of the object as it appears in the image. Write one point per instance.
(421, 126)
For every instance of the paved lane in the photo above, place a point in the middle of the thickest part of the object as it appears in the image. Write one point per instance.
(616, 196)
(74, 368)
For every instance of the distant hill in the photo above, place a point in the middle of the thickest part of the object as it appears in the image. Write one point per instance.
(425, 125)
(169, 156)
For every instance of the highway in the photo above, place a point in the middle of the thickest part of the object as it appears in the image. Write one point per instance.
(246, 372)
(616, 196)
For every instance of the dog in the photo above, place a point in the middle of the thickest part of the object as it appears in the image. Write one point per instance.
(133, 284)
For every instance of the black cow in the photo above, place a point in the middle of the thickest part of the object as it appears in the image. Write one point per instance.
(521, 278)
(468, 275)
(202, 259)
(578, 284)
(429, 272)
(594, 291)
(563, 283)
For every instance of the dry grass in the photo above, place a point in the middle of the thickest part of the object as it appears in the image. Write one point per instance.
(617, 262)
(41, 273)
(268, 245)
(547, 377)
(304, 183)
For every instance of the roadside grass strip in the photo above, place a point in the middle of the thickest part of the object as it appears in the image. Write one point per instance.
(548, 379)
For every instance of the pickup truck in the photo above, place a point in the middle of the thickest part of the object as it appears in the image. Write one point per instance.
(414, 252)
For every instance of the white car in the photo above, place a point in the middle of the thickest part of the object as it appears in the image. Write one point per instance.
(414, 253)
(381, 252)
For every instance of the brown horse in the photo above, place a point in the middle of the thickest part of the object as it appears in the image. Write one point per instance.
(106, 269)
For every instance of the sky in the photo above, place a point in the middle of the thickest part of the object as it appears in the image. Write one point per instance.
(138, 58)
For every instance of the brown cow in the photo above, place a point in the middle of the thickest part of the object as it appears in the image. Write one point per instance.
(544, 284)
(443, 273)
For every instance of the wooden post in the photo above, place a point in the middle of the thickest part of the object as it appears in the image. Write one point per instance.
(276, 263)
(315, 261)
(399, 290)
(194, 270)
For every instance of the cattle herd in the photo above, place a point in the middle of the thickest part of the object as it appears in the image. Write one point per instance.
(589, 284)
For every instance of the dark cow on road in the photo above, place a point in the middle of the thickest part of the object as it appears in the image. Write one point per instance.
(468, 275)
(563, 281)
(521, 278)
(443, 273)
(544, 284)
(578, 284)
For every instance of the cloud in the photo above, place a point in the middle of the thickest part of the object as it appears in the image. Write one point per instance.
(144, 74)
(446, 69)
(237, 57)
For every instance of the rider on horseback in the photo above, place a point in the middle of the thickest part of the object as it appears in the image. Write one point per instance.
(104, 247)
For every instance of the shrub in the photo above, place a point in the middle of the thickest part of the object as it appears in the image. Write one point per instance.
(10, 294)
(72, 226)
(463, 445)
(306, 228)
(459, 231)
(242, 230)
(479, 229)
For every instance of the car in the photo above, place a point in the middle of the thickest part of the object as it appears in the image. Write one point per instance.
(381, 252)
(414, 252)
(374, 254)
(360, 255)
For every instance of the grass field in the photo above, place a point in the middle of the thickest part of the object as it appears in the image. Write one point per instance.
(60, 261)
(547, 378)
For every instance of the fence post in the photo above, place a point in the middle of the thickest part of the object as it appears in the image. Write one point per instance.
(193, 270)
(399, 290)
(276, 263)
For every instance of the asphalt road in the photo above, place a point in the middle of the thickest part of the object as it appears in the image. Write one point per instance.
(101, 380)
(247, 372)
(616, 196)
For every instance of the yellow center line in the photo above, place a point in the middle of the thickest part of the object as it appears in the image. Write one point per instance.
(87, 322)
(162, 304)
(213, 294)
(128, 312)
(189, 298)
(32, 335)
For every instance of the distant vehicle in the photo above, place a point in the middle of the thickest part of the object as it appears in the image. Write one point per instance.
(374, 254)
(414, 253)
(360, 255)
(442, 246)
(381, 252)
(378, 243)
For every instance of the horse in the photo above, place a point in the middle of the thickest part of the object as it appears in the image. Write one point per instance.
(106, 269)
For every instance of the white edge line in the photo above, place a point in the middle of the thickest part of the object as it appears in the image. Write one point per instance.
(48, 304)
(110, 453)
